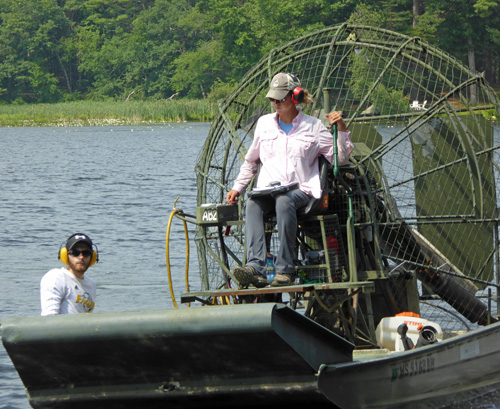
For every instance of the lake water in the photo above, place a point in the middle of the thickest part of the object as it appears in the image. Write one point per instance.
(118, 185)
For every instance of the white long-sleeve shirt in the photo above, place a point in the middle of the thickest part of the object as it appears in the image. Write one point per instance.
(291, 158)
(61, 292)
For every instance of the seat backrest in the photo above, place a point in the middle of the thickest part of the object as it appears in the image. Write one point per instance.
(318, 206)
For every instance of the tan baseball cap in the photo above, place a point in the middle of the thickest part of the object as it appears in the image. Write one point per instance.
(282, 84)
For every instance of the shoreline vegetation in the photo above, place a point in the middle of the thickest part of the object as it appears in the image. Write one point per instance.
(106, 113)
(118, 113)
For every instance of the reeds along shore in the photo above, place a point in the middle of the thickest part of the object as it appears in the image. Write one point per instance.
(104, 113)
(95, 113)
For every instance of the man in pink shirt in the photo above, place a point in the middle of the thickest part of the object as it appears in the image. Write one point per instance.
(287, 144)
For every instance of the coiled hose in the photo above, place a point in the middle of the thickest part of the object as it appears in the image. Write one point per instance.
(174, 212)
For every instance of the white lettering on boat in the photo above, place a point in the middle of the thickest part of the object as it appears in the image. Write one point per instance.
(412, 368)
(209, 216)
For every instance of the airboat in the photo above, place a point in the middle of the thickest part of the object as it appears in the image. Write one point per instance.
(395, 301)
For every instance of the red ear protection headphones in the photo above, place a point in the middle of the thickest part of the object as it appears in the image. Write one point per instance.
(297, 92)
(297, 95)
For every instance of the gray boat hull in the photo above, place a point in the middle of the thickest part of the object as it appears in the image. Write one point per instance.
(451, 371)
(242, 355)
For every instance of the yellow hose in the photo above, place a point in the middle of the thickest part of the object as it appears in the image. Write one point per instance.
(167, 254)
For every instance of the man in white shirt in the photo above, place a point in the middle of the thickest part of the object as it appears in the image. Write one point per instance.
(287, 144)
(67, 290)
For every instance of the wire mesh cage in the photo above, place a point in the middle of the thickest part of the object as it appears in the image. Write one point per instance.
(424, 171)
(323, 252)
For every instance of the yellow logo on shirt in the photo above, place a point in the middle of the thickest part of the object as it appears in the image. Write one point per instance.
(88, 304)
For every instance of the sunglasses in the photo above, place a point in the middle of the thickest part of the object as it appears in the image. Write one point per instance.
(278, 100)
(76, 253)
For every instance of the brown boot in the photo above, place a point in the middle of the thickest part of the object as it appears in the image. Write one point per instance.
(248, 275)
(281, 280)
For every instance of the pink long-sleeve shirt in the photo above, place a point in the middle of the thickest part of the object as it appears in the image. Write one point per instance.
(291, 158)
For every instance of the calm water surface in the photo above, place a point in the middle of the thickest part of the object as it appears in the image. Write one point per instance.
(118, 185)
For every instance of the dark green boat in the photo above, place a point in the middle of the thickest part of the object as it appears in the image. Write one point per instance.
(221, 356)
(414, 218)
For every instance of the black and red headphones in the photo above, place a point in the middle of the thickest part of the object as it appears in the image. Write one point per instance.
(297, 93)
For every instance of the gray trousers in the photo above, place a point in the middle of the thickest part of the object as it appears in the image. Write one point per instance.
(285, 206)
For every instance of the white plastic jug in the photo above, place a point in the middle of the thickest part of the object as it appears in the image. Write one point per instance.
(387, 330)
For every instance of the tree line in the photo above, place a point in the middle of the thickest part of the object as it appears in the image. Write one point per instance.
(66, 50)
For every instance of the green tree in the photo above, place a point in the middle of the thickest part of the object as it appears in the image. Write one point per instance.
(465, 29)
(383, 99)
(489, 11)
(133, 56)
(32, 34)
(240, 32)
(57, 49)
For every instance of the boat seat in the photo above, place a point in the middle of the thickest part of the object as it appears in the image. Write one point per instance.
(320, 205)
(319, 241)
(314, 206)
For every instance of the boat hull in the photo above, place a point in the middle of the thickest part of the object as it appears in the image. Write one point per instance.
(451, 371)
(243, 355)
